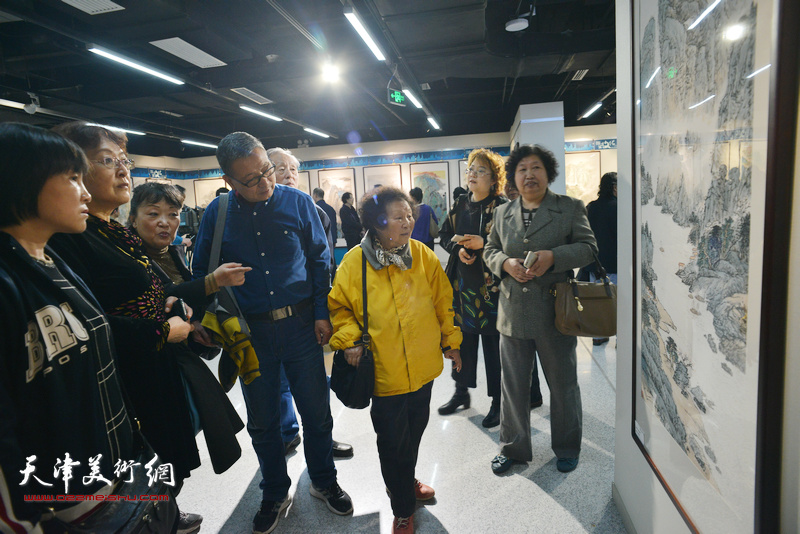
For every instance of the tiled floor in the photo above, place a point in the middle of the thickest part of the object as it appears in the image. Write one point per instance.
(454, 458)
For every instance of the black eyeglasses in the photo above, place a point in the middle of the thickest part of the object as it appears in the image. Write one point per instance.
(255, 179)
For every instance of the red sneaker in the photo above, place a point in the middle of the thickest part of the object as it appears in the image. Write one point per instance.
(423, 492)
(403, 525)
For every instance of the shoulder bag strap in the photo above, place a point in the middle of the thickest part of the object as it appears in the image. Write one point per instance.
(219, 229)
(365, 339)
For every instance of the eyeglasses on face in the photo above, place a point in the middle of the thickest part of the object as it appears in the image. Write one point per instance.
(478, 172)
(112, 163)
(269, 171)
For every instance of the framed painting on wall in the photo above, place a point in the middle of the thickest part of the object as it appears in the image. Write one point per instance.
(335, 183)
(382, 175)
(462, 175)
(205, 190)
(703, 219)
(304, 182)
(582, 174)
(434, 181)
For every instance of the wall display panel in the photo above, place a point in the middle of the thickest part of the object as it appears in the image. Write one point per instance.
(205, 190)
(434, 181)
(582, 174)
(335, 183)
(701, 119)
(385, 175)
(304, 182)
(462, 175)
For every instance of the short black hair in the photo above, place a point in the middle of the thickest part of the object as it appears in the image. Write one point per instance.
(458, 191)
(89, 136)
(234, 146)
(547, 157)
(346, 196)
(416, 194)
(319, 192)
(221, 191)
(372, 208)
(153, 193)
(29, 156)
(607, 183)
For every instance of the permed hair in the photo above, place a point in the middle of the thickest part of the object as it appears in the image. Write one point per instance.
(236, 145)
(373, 207)
(153, 193)
(495, 163)
(29, 156)
(547, 157)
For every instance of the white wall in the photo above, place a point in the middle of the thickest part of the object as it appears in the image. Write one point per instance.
(644, 505)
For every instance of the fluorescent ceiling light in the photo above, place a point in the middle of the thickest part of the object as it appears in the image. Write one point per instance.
(11, 104)
(330, 72)
(592, 110)
(316, 132)
(198, 143)
(252, 95)
(580, 140)
(704, 14)
(259, 112)
(413, 98)
(544, 119)
(351, 16)
(434, 123)
(188, 52)
(133, 64)
(170, 113)
(759, 71)
(652, 77)
(94, 7)
(107, 127)
(702, 102)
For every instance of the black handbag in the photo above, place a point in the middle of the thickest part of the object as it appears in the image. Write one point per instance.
(354, 385)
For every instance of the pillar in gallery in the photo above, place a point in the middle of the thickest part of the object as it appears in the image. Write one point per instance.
(543, 124)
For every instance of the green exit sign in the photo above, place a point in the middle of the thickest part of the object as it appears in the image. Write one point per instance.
(397, 97)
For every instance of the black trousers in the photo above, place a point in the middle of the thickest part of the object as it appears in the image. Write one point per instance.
(399, 421)
(467, 377)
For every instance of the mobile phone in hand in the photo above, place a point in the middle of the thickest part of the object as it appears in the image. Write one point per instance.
(458, 238)
(179, 310)
(530, 259)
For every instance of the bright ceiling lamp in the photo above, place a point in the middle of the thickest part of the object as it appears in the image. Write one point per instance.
(592, 110)
(259, 112)
(330, 72)
(316, 132)
(434, 123)
(107, 127)
(11, 104)
(133, 64)
(413, 98)
(352, 17)
(198, 143)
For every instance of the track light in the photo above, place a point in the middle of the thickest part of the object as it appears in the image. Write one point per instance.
(198, 143)
(132, 64)
(355, 21)
(413, 98)
(107, 127)
(259, 112)
(434, 123)
(316, 132)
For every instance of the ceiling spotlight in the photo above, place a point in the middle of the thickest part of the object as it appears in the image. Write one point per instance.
(330, 72)
(521, 22)
(31, 107)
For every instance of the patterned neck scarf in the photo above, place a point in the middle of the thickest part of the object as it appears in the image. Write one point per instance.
(393, 256)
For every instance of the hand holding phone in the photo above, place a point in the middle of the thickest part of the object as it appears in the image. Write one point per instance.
(179, 310)
(458, 238)
(530, 259)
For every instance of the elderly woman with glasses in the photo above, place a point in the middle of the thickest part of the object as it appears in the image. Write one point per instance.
(463, 235)
(112, 261)
(411, 323)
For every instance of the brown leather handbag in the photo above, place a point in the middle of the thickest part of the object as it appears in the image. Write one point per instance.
(585, 308)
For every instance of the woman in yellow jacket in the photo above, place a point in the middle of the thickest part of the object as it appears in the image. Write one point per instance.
(409, 302)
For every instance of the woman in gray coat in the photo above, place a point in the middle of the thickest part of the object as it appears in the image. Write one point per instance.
(555, 228)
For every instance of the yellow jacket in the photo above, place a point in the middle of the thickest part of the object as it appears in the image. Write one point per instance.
(410, 317)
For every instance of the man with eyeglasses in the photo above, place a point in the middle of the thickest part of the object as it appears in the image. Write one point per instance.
(275, 230)
(286, 173)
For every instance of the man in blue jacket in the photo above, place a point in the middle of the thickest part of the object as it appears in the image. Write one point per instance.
(276, 230)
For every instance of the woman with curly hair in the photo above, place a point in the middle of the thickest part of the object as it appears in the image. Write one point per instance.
(475, 288)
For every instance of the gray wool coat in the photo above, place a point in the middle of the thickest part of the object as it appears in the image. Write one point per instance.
(527, 311)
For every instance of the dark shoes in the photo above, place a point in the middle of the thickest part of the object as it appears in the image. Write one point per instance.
(459, 399)
(565, 465)
(335, 497)
(501, 463)
(188, 523)
(493, 417)
(342, 450)
(536, 403)
(267, 517)
(291, 445)
(599, 341)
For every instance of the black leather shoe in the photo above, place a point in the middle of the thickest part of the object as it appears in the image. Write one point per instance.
(459, 399)
(342, 450)
(492, 419)
(565, 465)
(536, 403)
(599, 341)
(291, 445)
(501, 463)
